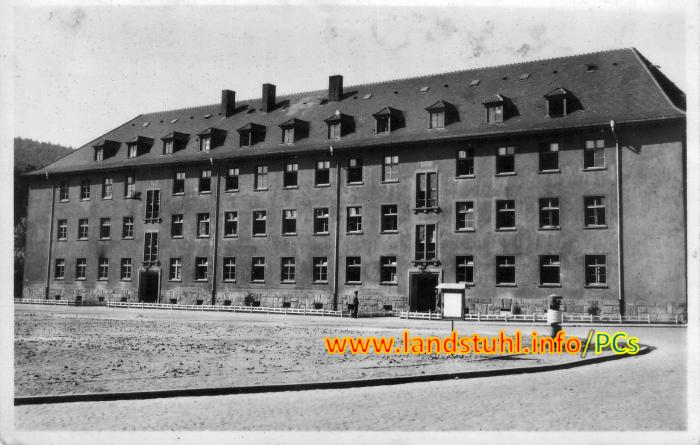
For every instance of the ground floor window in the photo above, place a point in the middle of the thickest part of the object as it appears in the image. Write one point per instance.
(80, 268)
(320, 270)
(388, 269)
(258, 269)
(288, 269)
(201, 271)
(103, 269)
(175, 269)
(596, 270)
(465, 269)
(60, 270)
(550, 270)
(229, 269)
(125, 269)
(505, 270)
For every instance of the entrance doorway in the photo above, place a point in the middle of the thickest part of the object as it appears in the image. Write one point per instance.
(421, 297)
(149, 286)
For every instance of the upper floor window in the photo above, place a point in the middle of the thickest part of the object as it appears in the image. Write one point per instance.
(231, 224)
(105, 228)
(83, 229)
(259, 223)
(291, 173)
(231, 179)
(62, 231)
(465, 162)
(261, 177)
(594, 154)
(289, 222)
(390, 218)
(594, 208)
(321, 220)
(84, 189)
(465, 216)
(354, 171)
(505, 214)
(549, 213)
(323, 176)
(426, 242)
(63, 188)
(129, 187)
(390, 168)
(107, 184)
(426, 190)
(177, 224)
(152, 205)
(150, 247)
(354, 219)
(205, 181)
(203, 222)
(179, 183)
(128, 227)
(505, 160)
(549, 156)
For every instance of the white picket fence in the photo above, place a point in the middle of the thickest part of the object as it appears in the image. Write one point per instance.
(220, 308)
(534, 318)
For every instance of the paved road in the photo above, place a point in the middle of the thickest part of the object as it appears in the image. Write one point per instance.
(639, 393)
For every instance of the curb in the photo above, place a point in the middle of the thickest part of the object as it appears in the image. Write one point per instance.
(343, 384)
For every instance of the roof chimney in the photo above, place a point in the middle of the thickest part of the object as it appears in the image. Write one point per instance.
(228, 102)
(268, 97)
(335, 88)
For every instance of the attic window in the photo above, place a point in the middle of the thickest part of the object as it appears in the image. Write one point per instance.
(99, 154)
(494, 108)
(173, 142)
(211, 138)
(524, 76)
(138, 146)
(205, 143)
(387, 120)
(339, 125)
(366, 96)
(250, 134)
(474, 82)
(441, 114)
(173, 121)
(105, 149)
(293, 130)
(424, 89)
(559, 102)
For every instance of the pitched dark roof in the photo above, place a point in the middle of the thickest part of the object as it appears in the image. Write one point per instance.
(624, 87)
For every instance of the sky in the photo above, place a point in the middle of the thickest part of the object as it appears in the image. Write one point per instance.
(80, 71)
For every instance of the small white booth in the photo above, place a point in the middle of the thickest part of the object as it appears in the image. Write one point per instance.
(452, 296)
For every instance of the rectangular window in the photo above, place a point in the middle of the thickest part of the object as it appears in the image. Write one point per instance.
(465, 216)
(129, 187)
(203, 221)
(231, 224)
(383, 124)
(60, 269)
(103, 269)
(390, 169)
(596, 271)
(128, 227)
(62, 231)
(549, 213)
(505, 214)
(99, 154)
(323, 176)
(177, 226)
(63, 188)
(426, 190)
(426, 242)
(437, 119)
(594, 154)
(354, 219)
(201, 268)
(288, 273)
(132, 150)
(168, 147)
(259, 223)
(320, 274)
(80, 268)
(355, 171)
(549, 157)
(150, 247)
(390, 218)
(204, 143)
(465, 162)
(505, 160)
(84, 189)
(291, 173)
(179, 183)
(494, 113)
(505, 270)
(289, 222)
(152, 204)
(334, 130)
(107, 184)
(175, 273)
(594, 207)
(550, 268)
(388, 270)
(105, 228)
(353, 269)
(83, 228)
(205, 181)
(321, 221)
(125, 269)
(229, 268)
(261, 177)
(257, 272)
(232, 179)
(465, 269)
(288, 135)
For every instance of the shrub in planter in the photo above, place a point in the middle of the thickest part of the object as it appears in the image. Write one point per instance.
(286, 304)
(593, 309)
(173, 301)
(200, 302)
(227, 302)
(517, 310)
(250, 300)
(318, 305)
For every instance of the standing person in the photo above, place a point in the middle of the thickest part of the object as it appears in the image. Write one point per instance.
(355, 305)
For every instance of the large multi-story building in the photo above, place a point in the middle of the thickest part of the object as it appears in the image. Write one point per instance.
(560, 176)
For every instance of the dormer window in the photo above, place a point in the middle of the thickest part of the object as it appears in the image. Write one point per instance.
(495, 108)
(205, 143)
(559, 102)
(339, 125)
(105, 149)
(441, 113)
(250, 134)
(293, 130)
(138, 146)
(173, 142)
(387, 120)
(211, 138)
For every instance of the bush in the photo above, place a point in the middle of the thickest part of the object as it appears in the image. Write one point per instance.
(517, 310)
(251, 300)
(593, 309)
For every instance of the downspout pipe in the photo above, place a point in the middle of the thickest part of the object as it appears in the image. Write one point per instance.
(216, 233)
(336, 230)
(618, 177)
(50, 247)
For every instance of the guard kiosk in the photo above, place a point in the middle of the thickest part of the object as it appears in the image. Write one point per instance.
(452, 296)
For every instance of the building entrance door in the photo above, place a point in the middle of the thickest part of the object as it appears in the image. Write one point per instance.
(421, 295)
(149, 286)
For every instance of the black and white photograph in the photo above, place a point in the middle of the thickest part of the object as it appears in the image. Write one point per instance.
(350, 222)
